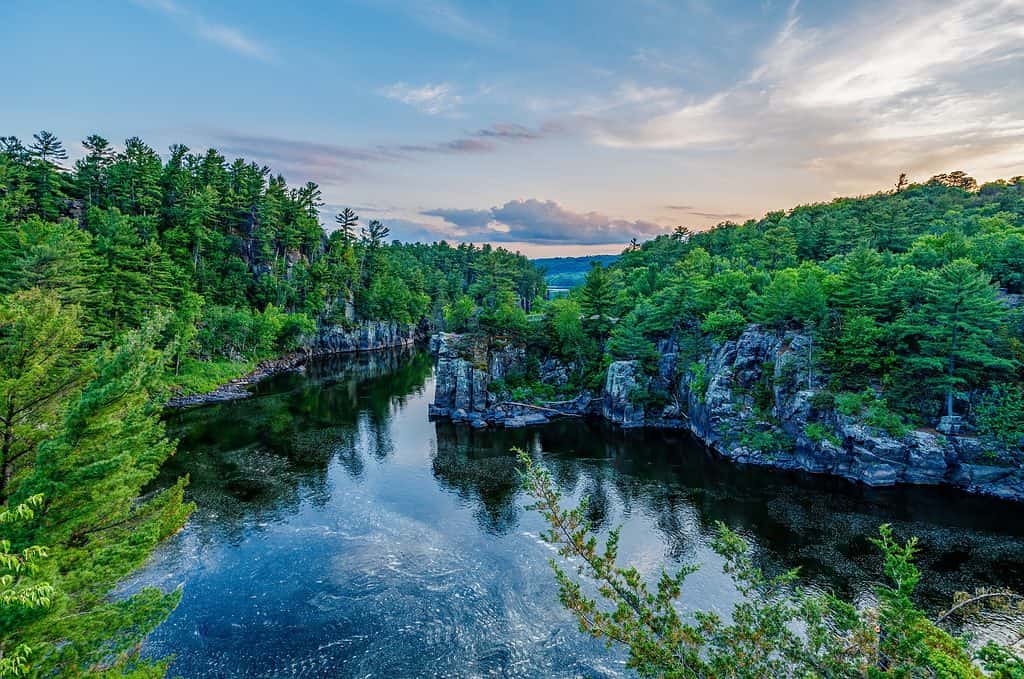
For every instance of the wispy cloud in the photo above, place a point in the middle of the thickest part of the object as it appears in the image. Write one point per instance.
(890, 87)
(441, 16)
(432, 99)
(717, 215)
(542, 222)
(338, 163)
(229, 37)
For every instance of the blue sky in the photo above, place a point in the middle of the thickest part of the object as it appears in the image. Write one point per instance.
(554, 128)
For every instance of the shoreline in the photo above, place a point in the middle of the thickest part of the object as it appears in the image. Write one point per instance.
(237, 388)
(330, 341)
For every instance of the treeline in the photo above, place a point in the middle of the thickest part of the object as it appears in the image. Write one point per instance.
(121, 278)
(911, 296)
(238, 255)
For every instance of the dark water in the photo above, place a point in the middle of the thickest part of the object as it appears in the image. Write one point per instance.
(340, 533)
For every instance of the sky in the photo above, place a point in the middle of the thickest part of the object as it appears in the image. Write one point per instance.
(553, 128)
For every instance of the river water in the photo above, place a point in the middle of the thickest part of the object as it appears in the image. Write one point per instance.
(341, 533)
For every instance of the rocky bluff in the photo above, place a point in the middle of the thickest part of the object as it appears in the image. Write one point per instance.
(757, 400)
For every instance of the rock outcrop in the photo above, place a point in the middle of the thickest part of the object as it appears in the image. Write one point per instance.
(364, 336)
(758, 399)
(619, 403)
(466, 372)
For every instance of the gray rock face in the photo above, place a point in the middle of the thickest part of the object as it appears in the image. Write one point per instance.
(554, 372)
(752, 399)
(720, 394)
(459, 384)
(463, 375)
(366, 336)
(621, 383)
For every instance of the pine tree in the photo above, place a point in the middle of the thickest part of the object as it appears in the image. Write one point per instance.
(859, 287)
(347, 222)
(597, 301)
(45, 173)
(40, 369)
(949, 341)
(134, 181)
(107, 444)
(91, 172)
(627, 342)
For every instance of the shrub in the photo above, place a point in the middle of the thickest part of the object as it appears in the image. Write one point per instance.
(881, 417)
(823, 401)
(724, 324)
(818, 432)
(769, 440)
(1000, 415)
(699, 380)
(849, 403)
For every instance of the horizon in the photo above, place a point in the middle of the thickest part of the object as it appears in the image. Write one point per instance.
(533, 130)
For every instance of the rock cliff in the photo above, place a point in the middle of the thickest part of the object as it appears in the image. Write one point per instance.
(364, 336)
(757, 399)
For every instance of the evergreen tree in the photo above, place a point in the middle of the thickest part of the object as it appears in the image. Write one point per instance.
(45, 174)
(91, 172)
(627, 343)
(597, 300)
(40, 370)
(347, 222)
(949, 341)
(107, 445)
(135, 179)
(860, 286)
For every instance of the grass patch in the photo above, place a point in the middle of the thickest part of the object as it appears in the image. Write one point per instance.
(874, 411)
(200, 377)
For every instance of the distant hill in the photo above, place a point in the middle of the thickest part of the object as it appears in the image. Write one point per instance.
(568, 272)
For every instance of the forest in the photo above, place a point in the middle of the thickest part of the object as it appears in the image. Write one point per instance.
(125, 278)
(912, 297)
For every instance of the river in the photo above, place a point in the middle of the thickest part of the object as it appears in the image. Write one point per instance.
(339, 532)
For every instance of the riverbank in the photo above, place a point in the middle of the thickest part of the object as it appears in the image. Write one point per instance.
(329, 341)
(757, 400)
(238, 387)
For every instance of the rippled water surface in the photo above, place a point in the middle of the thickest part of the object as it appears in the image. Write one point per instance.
(340, 533)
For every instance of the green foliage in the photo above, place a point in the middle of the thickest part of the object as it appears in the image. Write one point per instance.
(21, 589)
(1000, 415)
(823, 401)
(725, 324)
(874, 410)
(564, 326)
(200, 377)
(850, 403)
(597, 299)
(698, 380)
(818, 432)
(893, 288)
(777, 628)
(948, 341)
(766, 439)
(627, 342)
(239, 334)
(82, 432)
(853, 352)
(460, 315)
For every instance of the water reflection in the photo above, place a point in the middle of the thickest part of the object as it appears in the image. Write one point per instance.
(340, 533)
